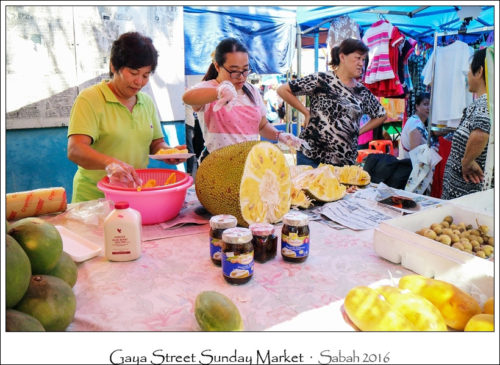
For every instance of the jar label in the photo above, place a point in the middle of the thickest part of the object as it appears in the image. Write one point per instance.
(215, 248)
(237, 266)
(293, 245)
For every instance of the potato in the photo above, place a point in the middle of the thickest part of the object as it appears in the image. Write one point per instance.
(488, 250)
(429, 233)
(448, 219)
(458, 245)
(445, 239)
(481, 254)
(447, 231)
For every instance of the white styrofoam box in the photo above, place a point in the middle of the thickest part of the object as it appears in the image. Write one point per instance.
(78, 247)
(396, 241)
(482, 201)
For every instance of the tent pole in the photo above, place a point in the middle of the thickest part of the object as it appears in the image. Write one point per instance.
(468, 31)
(316, 51)
(299, 71)
(429, 120)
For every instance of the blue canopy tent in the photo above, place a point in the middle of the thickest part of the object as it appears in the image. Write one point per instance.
(418, 22)
(267, 31)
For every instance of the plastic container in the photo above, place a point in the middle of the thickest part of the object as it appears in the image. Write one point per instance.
(122, 233)
(78, 247)
(155, 205)
(160, 175)
(395, 240)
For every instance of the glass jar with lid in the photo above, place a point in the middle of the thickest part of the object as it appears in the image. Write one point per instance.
(264, 241)
(295, 237)
(237, 255)
(219, 223)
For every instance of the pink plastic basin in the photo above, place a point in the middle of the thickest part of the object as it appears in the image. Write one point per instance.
(160, 175)
(156, 205)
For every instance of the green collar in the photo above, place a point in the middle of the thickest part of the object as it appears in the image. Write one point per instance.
(110, 97)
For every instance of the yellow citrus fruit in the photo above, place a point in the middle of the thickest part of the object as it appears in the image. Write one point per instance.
(480, 322)
(489, 306)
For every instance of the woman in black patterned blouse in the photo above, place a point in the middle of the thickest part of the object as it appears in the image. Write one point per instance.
(463, 173)
(338, 101)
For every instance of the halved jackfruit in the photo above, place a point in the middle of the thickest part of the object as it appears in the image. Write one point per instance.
(325, 187)
(353, 175)
(320, 184)
(250, 180)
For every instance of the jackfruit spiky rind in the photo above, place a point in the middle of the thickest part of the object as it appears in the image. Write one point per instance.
(219, 179)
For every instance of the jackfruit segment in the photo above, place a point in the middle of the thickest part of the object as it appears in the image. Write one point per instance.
(296, 170)
(325, 186)
(265, 185)
(320, 184)
(299, 198)
(353, 175)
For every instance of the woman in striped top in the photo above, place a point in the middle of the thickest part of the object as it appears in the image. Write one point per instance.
(463, 173)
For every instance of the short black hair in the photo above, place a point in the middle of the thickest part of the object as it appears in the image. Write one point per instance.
(347, 46)
(478, 61)
(421, 97)
(133, 50)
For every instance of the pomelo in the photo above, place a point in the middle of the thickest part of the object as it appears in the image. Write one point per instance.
(65, 269)
(40, 240)
(16, 321)
(50, 300)
(17, 272)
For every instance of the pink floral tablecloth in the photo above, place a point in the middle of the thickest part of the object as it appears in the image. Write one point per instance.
(157, 291)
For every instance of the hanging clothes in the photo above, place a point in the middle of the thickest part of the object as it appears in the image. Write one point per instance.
(406, 48)
(378, 38)
(390, 87)
(342, 28)
(450, 95)
(416, 64)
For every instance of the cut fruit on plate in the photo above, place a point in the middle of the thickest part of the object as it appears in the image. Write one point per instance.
(168, 156)
(79, 248)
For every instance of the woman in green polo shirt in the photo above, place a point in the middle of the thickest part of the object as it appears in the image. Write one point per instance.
(113, 125)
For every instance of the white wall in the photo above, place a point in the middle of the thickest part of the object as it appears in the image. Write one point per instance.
(53, 52)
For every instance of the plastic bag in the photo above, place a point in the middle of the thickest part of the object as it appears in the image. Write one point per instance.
(119, 176)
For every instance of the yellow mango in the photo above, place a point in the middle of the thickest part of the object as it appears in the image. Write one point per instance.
(455, 305)
(422, 313)
(172, 178)
(489, 306)
(481, 322)
(369, 311)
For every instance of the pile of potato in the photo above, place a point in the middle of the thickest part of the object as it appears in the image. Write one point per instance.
(462, 236)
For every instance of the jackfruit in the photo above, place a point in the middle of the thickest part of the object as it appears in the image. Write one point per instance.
(249, 180)
(299, 198)
(325, 187)
(320, 184)
(353, 175)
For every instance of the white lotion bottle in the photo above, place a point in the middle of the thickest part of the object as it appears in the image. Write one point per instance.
(122, 233)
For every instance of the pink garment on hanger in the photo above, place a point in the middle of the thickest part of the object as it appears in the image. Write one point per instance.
(378, 38)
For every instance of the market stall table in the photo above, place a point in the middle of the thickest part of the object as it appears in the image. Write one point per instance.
(157, 291)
